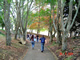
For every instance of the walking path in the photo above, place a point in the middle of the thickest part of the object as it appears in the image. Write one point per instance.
(36, 54)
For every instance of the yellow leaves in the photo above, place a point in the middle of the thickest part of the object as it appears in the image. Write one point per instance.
(34, 25)
(43, 22)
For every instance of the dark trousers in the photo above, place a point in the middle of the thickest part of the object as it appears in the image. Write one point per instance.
(42, 46)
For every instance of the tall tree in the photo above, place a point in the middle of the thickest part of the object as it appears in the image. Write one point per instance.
(66, 26)
(55, 22)
(6, 10)
(24, 12)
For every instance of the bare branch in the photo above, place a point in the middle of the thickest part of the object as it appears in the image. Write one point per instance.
(75, 15)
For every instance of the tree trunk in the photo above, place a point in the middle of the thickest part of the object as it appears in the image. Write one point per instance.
(8, 36)
(59, 38)
(19, 33)
(50, 31)
(38, 31)
(16, 32)
(31, 31)
(6, 10)
(16, 35)
(64, 42)
(24, 35)
(51, 38)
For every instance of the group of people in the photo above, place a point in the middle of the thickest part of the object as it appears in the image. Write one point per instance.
(34, 38)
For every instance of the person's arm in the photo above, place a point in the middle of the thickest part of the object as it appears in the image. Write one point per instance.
(40, 39)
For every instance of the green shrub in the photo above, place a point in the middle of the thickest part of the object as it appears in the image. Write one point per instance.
(54, 43)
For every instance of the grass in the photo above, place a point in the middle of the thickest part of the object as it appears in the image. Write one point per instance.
(2, 29)
(1, 34)
(43, 29)
(53, 44)
(58, 50)
(69, 58)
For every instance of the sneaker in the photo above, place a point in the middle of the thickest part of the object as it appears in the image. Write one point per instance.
(41, 51)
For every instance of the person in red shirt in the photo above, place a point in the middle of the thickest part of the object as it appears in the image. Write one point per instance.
(32, 41)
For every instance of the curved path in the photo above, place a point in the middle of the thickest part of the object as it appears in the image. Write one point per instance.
(36, 54)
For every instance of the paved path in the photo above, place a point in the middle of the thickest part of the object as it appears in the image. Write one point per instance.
(36, 54)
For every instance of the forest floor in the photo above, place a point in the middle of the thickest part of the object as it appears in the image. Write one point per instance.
(72, 52)
(13, 52)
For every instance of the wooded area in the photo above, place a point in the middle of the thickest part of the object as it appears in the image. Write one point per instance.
(59, 17)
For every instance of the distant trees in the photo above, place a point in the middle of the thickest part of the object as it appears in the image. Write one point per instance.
(22, 13)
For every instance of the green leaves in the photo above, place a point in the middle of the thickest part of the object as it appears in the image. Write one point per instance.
(9, 1)
(45, 12)
(52, 2)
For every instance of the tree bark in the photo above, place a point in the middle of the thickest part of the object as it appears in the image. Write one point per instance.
(8, 36)
(57, 25)
(24, 35)
(51, 38)
(64, 42)
(48, 32)
(6, 10)
(16, 35)
(38, 29)
(17, 21)
(59, 38)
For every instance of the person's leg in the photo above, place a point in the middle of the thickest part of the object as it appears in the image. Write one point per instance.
(41, 47)
(32, 45)
(37, 39)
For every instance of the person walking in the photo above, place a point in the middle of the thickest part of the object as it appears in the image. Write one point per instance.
(28, 36)
(37, 38)
(32, 41)
(42, 43)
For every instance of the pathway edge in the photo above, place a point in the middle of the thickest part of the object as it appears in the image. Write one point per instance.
(52, 53)
(23, 55)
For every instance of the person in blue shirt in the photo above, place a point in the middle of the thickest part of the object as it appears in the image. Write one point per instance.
(42, 43)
